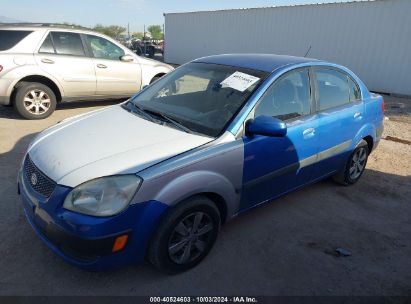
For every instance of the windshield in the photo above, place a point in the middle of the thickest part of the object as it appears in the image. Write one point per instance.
(201, 97)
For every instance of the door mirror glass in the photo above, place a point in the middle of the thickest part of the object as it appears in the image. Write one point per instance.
(267, 126)
(127, 58)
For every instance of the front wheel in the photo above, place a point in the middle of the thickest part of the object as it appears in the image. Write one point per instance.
(34, 100)
(185, 236)
(355, 166)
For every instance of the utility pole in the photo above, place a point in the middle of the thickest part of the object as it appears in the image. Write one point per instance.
(128, 28)
(144, 41)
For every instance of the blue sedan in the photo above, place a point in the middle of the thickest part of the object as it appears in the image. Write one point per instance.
(156, 176)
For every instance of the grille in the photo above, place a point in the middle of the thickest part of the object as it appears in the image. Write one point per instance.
(37, 179)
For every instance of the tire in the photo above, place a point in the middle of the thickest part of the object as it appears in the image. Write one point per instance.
(43, 100)
(355, 165)
(155, 78)
(174, 248)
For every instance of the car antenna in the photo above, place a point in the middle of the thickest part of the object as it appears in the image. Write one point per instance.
(309, 49)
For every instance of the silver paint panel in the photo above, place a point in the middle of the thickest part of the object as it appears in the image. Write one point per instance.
(107, 142)
(214, 168)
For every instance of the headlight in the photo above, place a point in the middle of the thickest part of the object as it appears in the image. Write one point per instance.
(104, 196)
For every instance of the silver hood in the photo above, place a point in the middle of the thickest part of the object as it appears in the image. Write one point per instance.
(107, 142)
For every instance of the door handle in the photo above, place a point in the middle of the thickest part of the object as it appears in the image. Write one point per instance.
(46, 60)
(308, 131)
(101, 66)
(357, 115)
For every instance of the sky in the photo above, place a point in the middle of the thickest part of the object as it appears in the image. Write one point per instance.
(121, 12)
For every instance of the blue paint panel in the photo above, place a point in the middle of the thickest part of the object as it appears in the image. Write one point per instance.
(337, 126)
(271, 164)
(141, 219)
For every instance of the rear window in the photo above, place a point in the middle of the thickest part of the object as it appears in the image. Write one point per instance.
(67, 43)
(9, 39)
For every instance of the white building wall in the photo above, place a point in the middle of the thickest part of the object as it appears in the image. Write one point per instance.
(372, 38)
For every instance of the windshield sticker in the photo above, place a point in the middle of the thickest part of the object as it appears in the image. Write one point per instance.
(239, 81)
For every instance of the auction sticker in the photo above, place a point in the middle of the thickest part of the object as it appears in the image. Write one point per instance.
(239, 81)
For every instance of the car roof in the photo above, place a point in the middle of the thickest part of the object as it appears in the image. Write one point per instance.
(43, 26)
(262, 62)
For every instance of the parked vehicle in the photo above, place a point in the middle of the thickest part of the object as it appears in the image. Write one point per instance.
(148, 47)
(42, 65)
(157, 176)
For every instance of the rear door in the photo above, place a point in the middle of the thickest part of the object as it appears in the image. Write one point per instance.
(114, 77)
(276, 165)
(340, 117)
(62, 55)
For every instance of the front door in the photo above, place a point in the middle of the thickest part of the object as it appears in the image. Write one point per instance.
(114, 76)
(276, 165)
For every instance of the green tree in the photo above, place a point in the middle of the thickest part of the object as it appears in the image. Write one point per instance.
(137, 35)
(156, 31)
(74, 26)
(113, 31)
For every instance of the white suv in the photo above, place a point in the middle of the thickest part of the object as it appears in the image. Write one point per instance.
(41, 65)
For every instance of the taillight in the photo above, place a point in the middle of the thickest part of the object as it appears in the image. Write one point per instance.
(1, 68)
(383, 106)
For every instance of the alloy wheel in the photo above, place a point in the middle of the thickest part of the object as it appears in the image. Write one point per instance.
(358, 163)
(190, 238)
(37, 102)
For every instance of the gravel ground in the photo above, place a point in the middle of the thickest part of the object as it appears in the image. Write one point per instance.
(282, 248)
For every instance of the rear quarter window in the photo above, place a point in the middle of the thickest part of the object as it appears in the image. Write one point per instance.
(9, 38)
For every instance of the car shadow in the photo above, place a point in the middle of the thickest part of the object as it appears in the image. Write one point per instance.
(9, 112)
(296, 229)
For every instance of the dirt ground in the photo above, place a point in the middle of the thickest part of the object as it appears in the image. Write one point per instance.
(283, 248)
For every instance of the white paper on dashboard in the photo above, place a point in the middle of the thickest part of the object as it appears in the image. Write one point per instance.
(239, 81)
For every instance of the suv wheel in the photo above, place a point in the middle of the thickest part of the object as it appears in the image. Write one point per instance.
(185, 236)
(34, 100)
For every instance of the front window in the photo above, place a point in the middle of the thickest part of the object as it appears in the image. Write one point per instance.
(203, 98)
(104, 49)
(289, 97)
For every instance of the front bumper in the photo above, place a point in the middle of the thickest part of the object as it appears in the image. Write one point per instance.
(87, 241)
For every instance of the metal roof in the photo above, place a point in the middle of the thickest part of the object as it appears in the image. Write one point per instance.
(276, 6)
(262, 62)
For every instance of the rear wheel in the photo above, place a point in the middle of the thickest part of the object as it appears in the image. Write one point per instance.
(355, 166)
(34, 100)
(185, 236)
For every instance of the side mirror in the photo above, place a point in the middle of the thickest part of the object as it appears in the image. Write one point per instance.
(127, 58)
(267, 126)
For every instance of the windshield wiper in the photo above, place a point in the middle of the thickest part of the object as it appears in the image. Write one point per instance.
(171, 120)
(141, 111)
